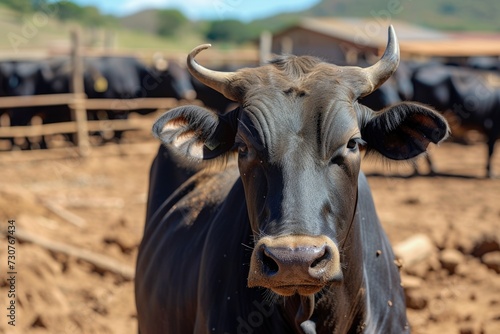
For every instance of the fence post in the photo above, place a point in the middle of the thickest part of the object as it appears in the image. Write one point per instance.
(265, 47)
(78, 112)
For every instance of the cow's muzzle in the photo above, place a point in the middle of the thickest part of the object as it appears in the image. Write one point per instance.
(294, 264)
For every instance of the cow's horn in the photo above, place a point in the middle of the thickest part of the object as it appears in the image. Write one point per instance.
(220, 81)
(379, 72)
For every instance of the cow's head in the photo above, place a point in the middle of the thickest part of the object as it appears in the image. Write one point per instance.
(298, 133)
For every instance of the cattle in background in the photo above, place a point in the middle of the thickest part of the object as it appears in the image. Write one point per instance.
(108, 77)
(168, 78)
(384, 96)
(24, 78)
(484, 63)
(285, 238)
(117, 78)
(471, 98)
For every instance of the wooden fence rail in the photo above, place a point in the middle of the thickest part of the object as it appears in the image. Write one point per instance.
(87, 104)
(36, 100)
(79, 104)
(90, 104)
(71, 127)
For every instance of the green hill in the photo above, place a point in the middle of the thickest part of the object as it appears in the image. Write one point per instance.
(144, 20)
(26, 30)
(463, 15)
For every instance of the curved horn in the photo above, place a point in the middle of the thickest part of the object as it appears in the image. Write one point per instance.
(379, 72)
(220, 81)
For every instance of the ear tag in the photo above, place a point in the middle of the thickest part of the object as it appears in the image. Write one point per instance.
(212, 144)
(101, 84)
(13, 81)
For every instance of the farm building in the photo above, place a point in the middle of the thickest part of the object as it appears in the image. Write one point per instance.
(346, 40)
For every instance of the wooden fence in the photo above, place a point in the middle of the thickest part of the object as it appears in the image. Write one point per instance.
(79, 104)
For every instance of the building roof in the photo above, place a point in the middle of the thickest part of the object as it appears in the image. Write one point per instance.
(371, 33)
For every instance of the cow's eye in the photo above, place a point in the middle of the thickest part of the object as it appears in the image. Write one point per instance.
(352, 144)
(242, 149)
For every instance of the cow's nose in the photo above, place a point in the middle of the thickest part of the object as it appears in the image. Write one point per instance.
(306, 261)
(292, 264)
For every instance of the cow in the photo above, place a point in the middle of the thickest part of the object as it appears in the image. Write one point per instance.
(275, 230)
(23, 78)
(167, 78)
(124, 78)
(470, 97)
(384, 96)
(110, 77)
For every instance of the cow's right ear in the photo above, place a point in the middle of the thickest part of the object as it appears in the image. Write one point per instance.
(197, 133)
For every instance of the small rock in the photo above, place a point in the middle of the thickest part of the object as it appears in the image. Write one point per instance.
(415, 300)
(467, 317)
(126, 245)
(38, 323)
(466, 330)
(450, 259)
(412, 201)
(414, 250)
(474, 328)
(492, 260)
(411, 282)
(478, 243)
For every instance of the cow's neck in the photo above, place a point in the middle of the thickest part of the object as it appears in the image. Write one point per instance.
(342, 307)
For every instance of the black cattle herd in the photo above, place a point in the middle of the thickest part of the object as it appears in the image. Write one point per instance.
(107, 77)
(468, 94)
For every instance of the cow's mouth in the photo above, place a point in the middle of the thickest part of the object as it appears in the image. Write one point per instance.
(302, 289)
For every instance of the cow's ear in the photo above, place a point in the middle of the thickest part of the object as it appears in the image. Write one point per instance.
(403, 131)
(197, 133)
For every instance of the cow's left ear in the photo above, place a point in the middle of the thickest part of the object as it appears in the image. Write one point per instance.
(197, 133)
(403, 131)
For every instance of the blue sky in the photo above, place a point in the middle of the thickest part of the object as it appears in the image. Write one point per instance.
(245, 10)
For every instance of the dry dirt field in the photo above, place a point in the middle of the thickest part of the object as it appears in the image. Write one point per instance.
(70, 211)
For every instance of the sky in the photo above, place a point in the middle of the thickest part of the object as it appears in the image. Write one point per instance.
(244, 10)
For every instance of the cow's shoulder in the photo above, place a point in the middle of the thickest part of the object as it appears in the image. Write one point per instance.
(205, 190)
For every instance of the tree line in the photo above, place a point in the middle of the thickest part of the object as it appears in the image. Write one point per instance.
(171, 22)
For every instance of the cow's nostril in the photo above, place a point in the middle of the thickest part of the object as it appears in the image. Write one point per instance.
(323, 259)
(270, 267)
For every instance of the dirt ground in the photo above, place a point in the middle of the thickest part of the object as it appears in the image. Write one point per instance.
(97, 205)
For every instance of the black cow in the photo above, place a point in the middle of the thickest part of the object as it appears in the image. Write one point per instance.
(117, 78)
(285, 238)
(24, 78)
(167, 78)
(384, 96)
(471, 97)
